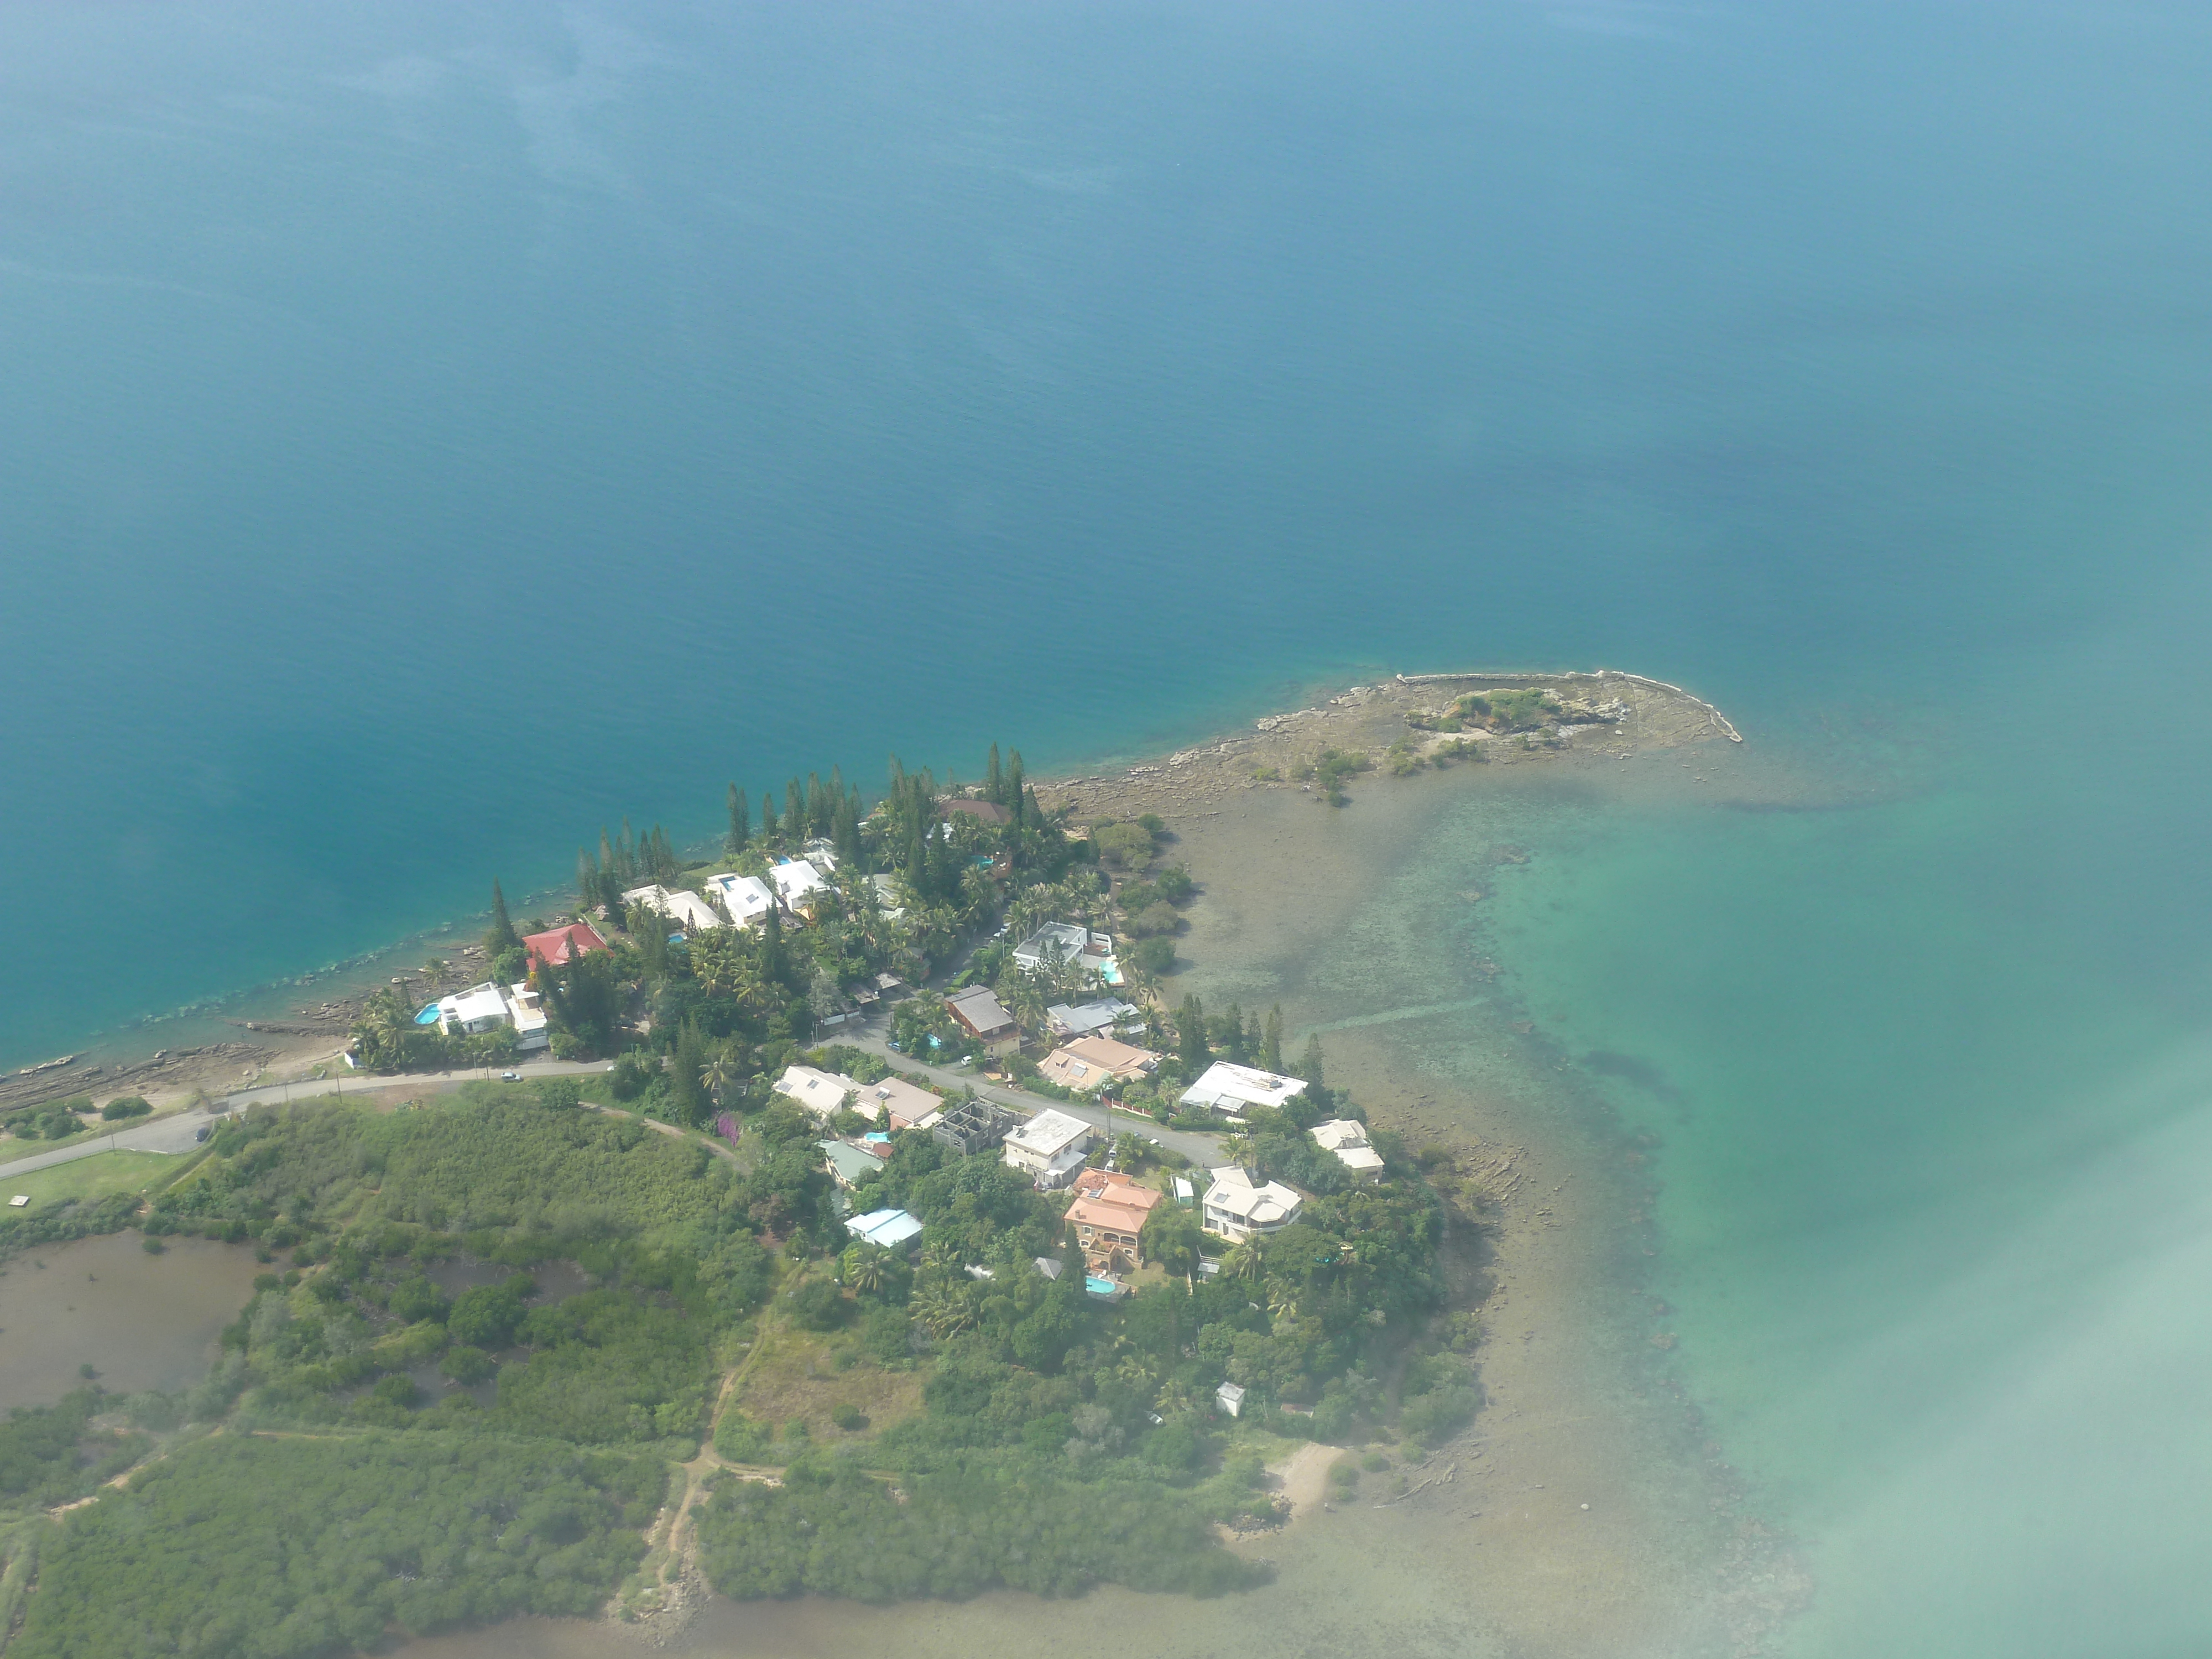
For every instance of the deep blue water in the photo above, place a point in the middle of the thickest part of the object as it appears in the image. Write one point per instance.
(427, 433)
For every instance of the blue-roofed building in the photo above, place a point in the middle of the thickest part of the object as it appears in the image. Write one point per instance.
(888, 1228)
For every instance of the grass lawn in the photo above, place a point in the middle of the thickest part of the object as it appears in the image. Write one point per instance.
(798, 1376)
(86, 1178)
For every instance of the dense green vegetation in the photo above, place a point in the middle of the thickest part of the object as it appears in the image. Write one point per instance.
(287, 1548)
(51, 1453)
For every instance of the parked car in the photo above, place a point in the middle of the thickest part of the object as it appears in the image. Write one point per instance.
(202, 1132)
(510, 1076)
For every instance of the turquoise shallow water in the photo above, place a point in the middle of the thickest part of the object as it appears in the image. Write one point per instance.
(429, 432)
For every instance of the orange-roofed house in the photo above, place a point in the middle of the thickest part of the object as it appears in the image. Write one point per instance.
(578, 938)
(1108, 1214)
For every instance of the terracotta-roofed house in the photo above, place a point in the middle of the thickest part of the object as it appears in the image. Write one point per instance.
(1108, 1214)
(1090, 1063)
(561, 945)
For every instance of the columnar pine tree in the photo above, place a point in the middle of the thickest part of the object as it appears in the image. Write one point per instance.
(740, 828)
(767, 815)
(1270, 1040)
(503, 937)
(1310, 1068)
(794, 813)
(1190, 1037)
(994, 785)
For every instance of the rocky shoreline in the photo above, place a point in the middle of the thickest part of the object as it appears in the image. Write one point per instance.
(1604, 706)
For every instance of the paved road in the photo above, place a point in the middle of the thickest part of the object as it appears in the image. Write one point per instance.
(176, 1131)
(1201, 1149)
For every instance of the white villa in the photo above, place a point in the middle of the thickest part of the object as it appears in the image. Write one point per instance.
(484, 1007)
(1237, 1208)
(1348, 1140)
(794, 880)
(693, 913)
(1230, 1089)
(1064, 942)
(1049, 1148)
(747, 898)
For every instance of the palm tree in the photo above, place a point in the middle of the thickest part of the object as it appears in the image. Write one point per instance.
(718, 1074)
(867, 1273)
(944, 1311)
(1024, 1001)
(1282, 1301)
(940, 1255)
(1248, 1260)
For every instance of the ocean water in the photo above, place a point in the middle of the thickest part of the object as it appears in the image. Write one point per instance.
(428, 432)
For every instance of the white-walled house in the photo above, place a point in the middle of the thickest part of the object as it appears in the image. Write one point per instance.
(687, 909)
(486, 1007)
(795, 879)
(527, 1015)
(1237, 1206)
(1230, 1089)
(747, 898)
(1348, 1140)
(1049, 1148)
(1065, 943)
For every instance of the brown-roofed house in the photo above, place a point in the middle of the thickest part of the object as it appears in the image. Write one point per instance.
(1108, 1214)
(560, 945)
(979, 1012)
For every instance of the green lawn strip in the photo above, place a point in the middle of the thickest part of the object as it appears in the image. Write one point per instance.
(89, 1178)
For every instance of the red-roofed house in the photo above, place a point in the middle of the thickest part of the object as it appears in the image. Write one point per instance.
(561, 945)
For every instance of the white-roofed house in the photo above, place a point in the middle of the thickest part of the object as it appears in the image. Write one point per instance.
(687, 910)
(527, 1015)
(1049, 1148)
(477, 1009)
(796, 883)
(1237, 1206)
(1063, 942)
(1348, 1140)
(747, 898)
(1230, 1089)
(822, 1093)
